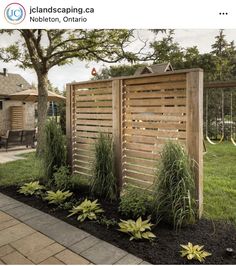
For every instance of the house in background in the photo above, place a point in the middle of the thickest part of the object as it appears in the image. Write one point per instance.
(14, 114)
(156, 68)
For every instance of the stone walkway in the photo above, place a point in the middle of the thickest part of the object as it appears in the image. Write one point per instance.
(13, 154)
(29, 236)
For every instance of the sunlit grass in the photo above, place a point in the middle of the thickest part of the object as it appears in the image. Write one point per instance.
(20, 171)
(220, 182)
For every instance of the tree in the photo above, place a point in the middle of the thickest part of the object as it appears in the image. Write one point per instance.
(44, 49)
(167, 50)
(117, 71)
(223, 52)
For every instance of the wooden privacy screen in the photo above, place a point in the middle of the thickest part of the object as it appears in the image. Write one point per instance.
(141, 113)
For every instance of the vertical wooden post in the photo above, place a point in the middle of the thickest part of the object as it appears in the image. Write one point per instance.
(69, 124)
(195, 129)
(116, 126)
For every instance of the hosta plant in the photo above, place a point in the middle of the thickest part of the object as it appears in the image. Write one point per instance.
(137, 229)
(87, 209)
(31, 188)
(57, 197)
(194, 252)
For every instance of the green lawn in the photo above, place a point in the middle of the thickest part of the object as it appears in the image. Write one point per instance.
(219, 179)
(18, 172)
(220, 182)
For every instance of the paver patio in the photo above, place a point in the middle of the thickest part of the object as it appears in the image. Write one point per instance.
(29, 236)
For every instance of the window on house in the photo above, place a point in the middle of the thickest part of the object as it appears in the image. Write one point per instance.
(1, 105)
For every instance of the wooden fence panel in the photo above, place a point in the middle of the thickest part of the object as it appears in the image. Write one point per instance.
(93, 115)
(152, 114)
(141, 113)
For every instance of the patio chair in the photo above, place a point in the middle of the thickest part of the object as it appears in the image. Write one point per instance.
(13, 137)
(28, 138)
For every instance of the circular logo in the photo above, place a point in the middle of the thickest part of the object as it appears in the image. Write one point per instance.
(14, 13)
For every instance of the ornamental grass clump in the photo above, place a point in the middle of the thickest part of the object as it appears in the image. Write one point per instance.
(55, 151)
(104, 184)
(174, 187)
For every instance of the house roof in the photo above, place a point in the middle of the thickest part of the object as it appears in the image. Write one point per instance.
(12, 83)
(156, 68)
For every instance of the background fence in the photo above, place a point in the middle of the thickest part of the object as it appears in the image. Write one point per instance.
(141, 113)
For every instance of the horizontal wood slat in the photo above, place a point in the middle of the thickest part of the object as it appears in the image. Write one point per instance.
(157, 79)
(94, 97)
(95, 91)
(95, 110)
(154, 102)
(181, 85)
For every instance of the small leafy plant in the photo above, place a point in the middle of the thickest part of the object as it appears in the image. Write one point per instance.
(31, 188)
(137, 229)
(87, 209)
(135, 202)
(194, 252)
(57, 197)
(107, 222)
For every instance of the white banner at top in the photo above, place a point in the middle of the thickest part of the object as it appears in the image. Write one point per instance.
(104, 14)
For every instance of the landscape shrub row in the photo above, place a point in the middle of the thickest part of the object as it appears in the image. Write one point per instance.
(171, 199)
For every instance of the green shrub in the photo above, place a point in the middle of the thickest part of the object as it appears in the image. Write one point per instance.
(62, 114)
(79, 183)
(57, 197)
(174, 189)
(62, 178)
(107, 222)
(137, 229)
(135, 202)
(55, 150)
(31, 188)
(194, 252)
(104, 182)
(87, 209)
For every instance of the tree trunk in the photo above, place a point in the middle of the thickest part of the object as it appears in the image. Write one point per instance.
(42, 111)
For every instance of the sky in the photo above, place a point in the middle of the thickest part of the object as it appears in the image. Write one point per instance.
(81, 71)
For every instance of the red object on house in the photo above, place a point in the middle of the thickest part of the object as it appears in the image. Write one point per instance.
(94, 72)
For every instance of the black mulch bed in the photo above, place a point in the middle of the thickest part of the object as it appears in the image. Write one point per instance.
(215, 236)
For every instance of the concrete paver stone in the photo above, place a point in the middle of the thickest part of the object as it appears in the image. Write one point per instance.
(52, 261)
(41, 222)
(45, 253)
(8, 223)
(84, 244)
(32, 243)
(5, 250)
(8, 207)
(64, 233)
(22, 210)
(4, 217)
(14, 233)
(69, 257)
(15, 258)
(104, 253)
(129, 259)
